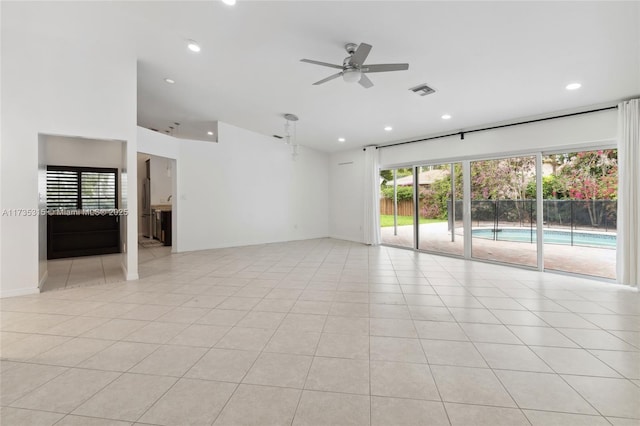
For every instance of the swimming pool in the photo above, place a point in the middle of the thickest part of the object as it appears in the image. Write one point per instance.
(551, 236)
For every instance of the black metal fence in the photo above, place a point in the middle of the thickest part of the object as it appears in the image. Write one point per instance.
(597, 215)
(567, 215)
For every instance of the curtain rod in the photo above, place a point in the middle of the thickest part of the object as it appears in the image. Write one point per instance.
(462, 133)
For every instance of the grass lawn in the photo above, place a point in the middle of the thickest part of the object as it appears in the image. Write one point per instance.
(387, 220)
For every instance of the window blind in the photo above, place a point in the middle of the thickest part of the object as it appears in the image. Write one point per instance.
(70, 188)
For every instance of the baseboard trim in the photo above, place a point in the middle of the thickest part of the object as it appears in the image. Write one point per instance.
(43, 279)
(340, 237)
(127, 275)
(19, 292)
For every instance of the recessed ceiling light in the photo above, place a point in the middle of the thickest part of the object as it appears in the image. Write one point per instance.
(573, 86)
(388, 128)
(193, 46)
(210, 133)
(446, 117)
(341, 139)
(169, 80)
(229, 2)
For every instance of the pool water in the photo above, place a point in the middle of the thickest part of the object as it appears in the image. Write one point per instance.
(550, 237)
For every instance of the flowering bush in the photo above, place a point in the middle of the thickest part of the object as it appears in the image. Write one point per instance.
(592, 176)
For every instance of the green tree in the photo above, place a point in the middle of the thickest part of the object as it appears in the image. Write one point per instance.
(554, 187)
(387, 176)
(592, 176)
(404, 192)
(504, 179)
(435, 198)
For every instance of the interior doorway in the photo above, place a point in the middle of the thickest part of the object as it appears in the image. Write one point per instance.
(156, 206)
(82, 228)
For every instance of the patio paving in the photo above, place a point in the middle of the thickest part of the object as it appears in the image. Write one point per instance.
(435, 237)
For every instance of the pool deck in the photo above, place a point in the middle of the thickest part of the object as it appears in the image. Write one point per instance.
(435, 237)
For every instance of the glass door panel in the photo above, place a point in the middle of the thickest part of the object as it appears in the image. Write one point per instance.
(503, 210)
(580, 190)
(440, 208)
(397, 207)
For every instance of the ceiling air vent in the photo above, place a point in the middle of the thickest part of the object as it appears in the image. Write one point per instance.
(422, 90)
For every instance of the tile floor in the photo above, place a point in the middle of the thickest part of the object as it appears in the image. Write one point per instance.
(93, 270)
(323, 332)
(149, 249)
(83, 271)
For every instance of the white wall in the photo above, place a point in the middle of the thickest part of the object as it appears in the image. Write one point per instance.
(347, 185)
(66, 151)
(58, 84)
(150, 142)
(244, 190)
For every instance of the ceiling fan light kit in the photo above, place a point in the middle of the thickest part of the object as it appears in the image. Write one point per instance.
(352, 75)
(353, 68)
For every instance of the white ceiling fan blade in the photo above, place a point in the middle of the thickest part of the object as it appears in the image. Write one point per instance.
(385, 67)
(365, 82)
(324, 64)
(360, 55)
(324, 80)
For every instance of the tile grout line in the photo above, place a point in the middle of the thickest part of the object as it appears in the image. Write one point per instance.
(428, 365)
(505, 387)
(295, 411)
(485, 361)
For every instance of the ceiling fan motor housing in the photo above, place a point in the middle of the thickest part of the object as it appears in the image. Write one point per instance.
(351, 48)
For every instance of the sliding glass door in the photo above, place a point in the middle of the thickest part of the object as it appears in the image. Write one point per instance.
(440, 208)
(397, 207)
(577, 223)
(580, 191)
(503, 210)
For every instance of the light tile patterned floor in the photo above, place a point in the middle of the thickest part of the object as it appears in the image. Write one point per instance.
(323, 332)
(435, 237)
(93, 270)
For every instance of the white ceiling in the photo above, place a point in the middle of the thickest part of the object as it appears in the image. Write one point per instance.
(488, 61)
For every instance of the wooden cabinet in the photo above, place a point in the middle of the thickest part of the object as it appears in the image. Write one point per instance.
(82, 235)
(165, 227)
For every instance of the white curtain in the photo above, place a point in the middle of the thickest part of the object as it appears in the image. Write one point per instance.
(371, 223)
(628, 260)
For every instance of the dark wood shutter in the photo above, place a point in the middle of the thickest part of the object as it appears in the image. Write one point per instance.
(71, 188)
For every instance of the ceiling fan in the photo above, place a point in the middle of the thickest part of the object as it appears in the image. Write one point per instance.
(353, 68)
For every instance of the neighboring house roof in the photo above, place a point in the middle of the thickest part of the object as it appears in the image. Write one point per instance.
(424, 178)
